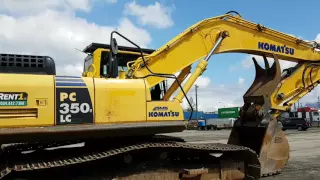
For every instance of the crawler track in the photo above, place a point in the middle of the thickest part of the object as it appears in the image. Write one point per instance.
(147, 156)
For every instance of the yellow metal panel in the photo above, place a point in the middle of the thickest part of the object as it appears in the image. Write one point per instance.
(148, 95)
(164, 111)
(97, 62)
(119, 101)
(90, 86)
(40, 91)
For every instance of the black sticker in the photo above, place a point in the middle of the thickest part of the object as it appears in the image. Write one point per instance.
(74, 106)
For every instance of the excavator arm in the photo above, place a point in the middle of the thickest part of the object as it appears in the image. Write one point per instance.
(271, 93)
(296, 82)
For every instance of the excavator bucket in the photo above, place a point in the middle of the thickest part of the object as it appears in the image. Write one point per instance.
(257, 127)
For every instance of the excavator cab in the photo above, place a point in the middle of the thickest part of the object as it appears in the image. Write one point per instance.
(101, 62)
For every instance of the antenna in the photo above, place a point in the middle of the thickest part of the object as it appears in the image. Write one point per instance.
(84, 52)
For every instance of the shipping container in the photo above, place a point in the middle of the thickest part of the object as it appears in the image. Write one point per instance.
(231, 112)
(194, 115)
(210, 115)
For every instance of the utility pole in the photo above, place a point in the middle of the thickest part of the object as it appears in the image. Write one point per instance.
(196, 101)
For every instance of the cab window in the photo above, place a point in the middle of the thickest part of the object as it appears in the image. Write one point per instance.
(104, 64)
(87, 62)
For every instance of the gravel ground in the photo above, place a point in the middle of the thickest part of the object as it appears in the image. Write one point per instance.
(304, 162)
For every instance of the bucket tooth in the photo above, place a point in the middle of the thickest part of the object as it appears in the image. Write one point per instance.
(264, 84)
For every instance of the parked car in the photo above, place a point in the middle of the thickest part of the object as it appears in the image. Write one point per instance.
(301, 124)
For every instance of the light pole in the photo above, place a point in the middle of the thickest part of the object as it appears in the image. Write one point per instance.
(196, 86)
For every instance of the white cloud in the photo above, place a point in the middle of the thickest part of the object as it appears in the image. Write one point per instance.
(213, 97)
(247, 62)
(233, 68)
(241, 81)
(318, 38)
(71, 69)
(80, 4)
(57, 33)
(312, 97)
(202, 81)
(36, 6)
(155, 14)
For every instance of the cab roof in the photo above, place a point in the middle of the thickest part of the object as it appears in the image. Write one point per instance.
(123, 57)
(94, 46)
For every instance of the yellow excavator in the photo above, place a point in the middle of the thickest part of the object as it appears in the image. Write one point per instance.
(122, 105)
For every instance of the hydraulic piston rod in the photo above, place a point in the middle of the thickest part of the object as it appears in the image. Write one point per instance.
(200, 68)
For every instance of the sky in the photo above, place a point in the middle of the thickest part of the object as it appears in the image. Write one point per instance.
(58, 27)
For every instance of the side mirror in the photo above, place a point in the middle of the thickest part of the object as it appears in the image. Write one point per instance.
(114, 46)
(113, 63)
